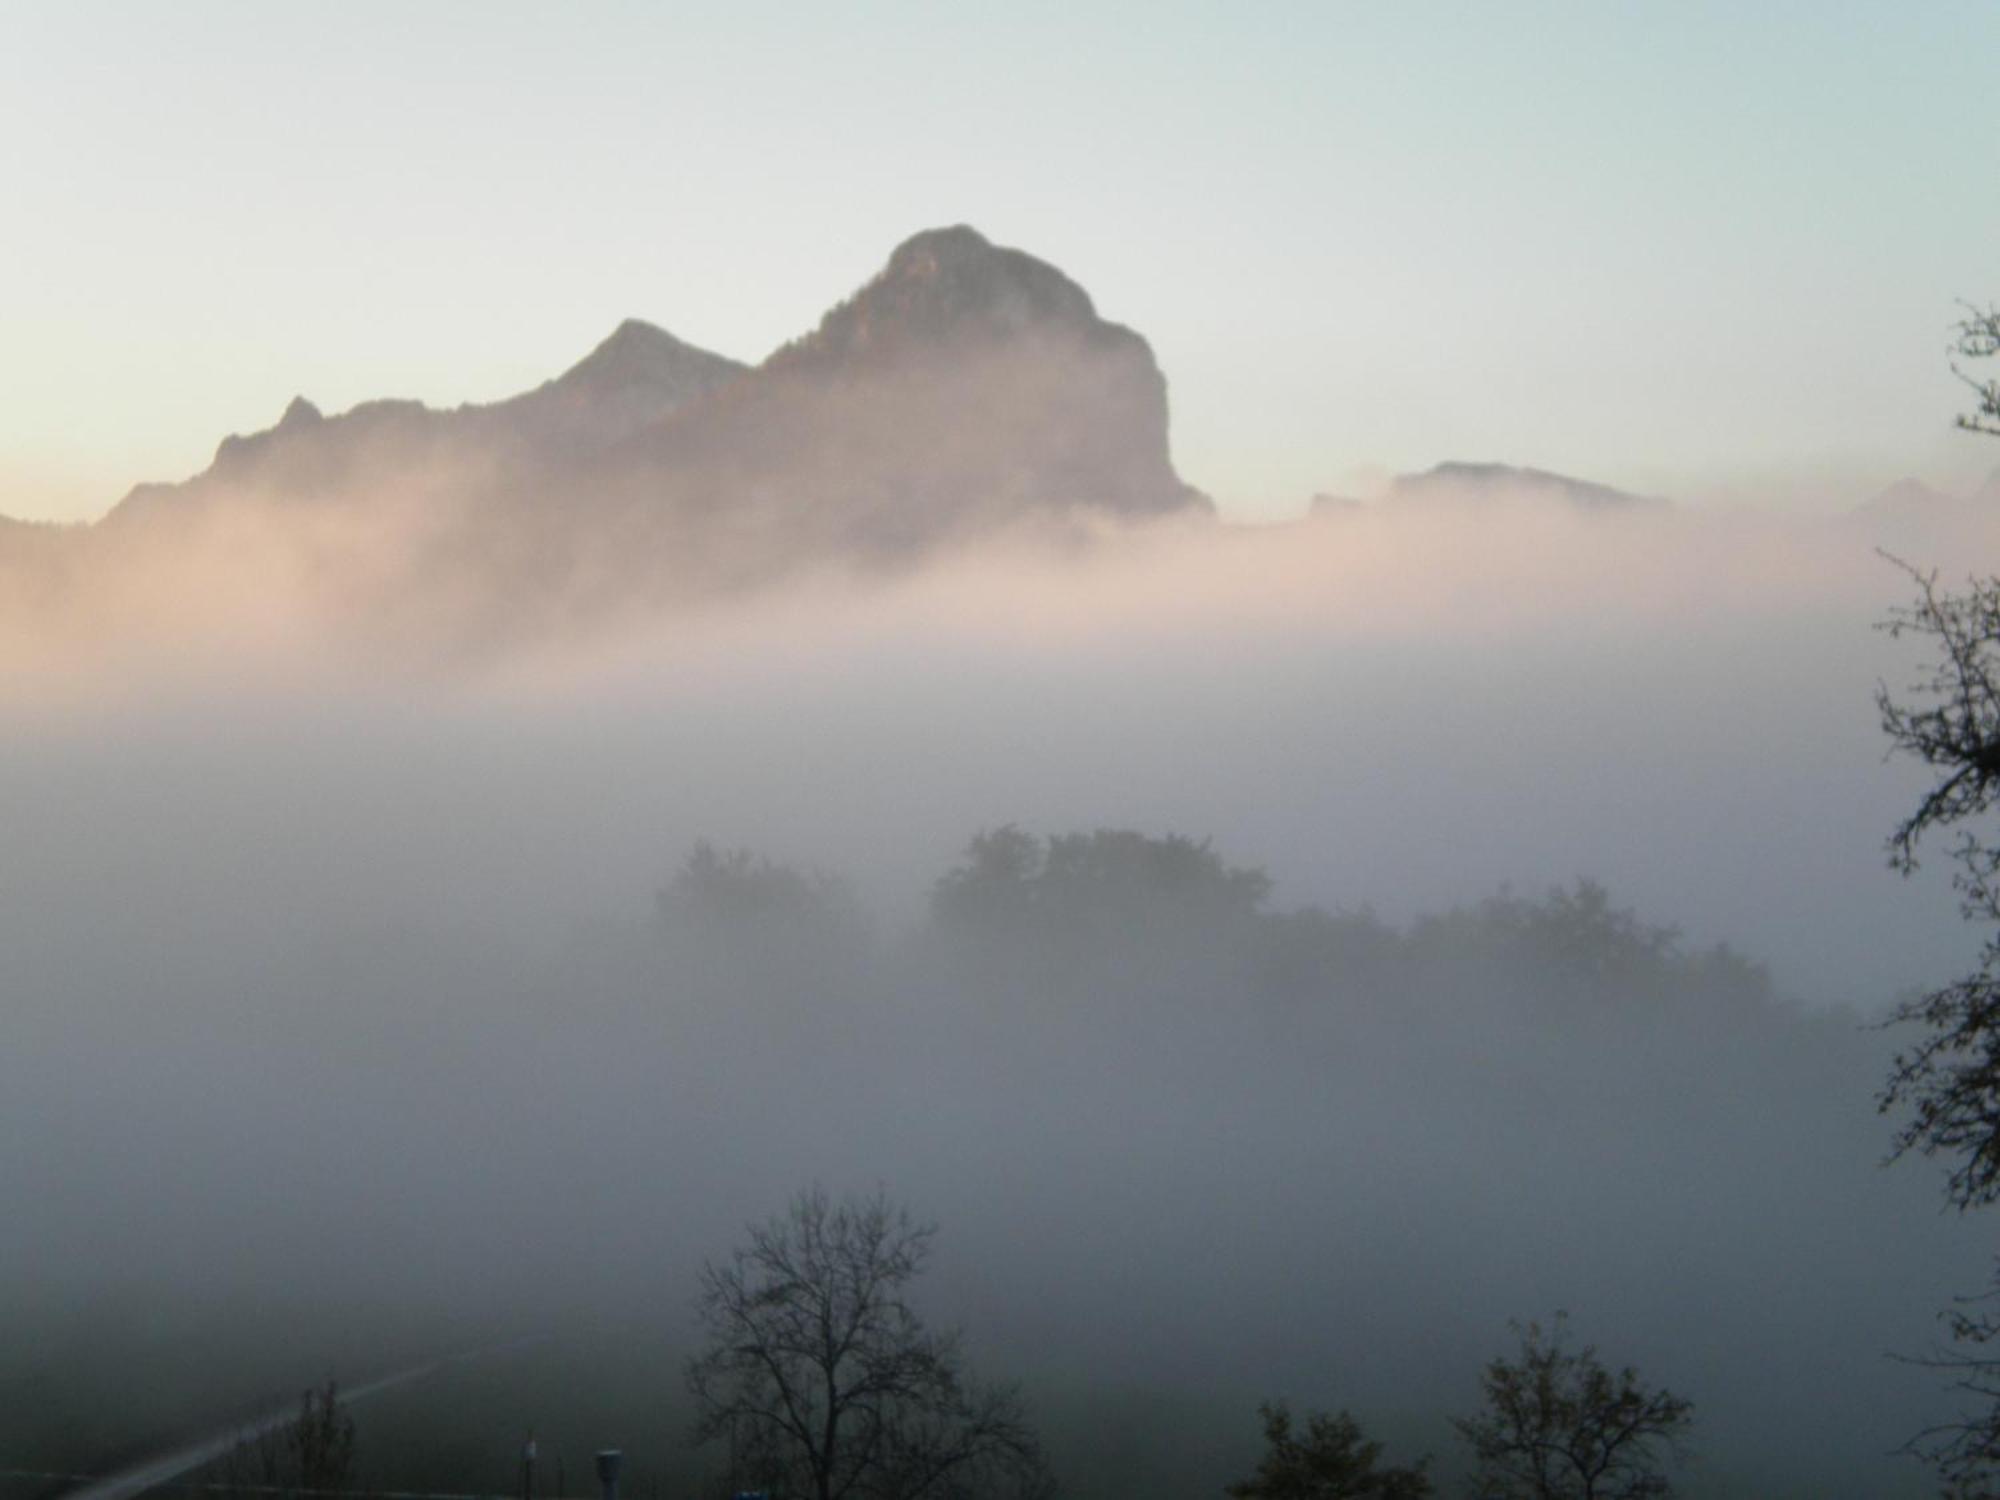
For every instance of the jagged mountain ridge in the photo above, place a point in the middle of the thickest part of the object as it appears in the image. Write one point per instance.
(965, 387)
(635, 377)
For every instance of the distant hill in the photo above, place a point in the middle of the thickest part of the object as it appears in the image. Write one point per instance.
(1916, 518)
(1908, 498)
(1482, 482)
(1325, 506)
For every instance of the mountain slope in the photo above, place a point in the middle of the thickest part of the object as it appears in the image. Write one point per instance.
(636, 377)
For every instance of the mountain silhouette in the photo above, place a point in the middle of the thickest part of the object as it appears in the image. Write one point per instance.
(1988, 493)
(1908, 498)
(1918, 521)
(636, 377)
(964, 389)
(1481, 482)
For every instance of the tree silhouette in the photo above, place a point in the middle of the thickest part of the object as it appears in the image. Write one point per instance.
(1557, 1425)
(825, 1381)
(1946, 1085)
(1978, 337)
(1330, 1460)
(320, 1440)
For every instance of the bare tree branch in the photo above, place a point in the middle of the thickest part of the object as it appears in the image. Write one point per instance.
(826, 1380)
(1557, 1425)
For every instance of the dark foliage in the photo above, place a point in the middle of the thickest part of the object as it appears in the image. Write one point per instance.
(1587, 955)
(1330, 1460)
(1115, 907)
(733, 888)
(1085, 884)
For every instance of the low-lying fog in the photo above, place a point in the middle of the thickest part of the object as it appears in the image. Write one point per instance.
(341, 993)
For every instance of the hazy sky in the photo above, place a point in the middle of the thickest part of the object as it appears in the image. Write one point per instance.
(1709, 249)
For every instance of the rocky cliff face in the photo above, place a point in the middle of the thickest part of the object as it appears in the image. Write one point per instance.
(951, 289)
(965, 388)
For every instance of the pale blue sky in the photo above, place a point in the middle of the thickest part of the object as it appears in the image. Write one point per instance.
(1701, 248)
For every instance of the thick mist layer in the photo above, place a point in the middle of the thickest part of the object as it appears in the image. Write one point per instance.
(1399, 707)
(357, 994)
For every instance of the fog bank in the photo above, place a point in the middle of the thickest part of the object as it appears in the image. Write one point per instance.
(339, 987)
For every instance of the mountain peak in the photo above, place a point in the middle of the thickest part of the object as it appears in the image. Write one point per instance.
(300, 412)
(959, 236)
(959, 266)
(638, 353)
(1908, 494)
(924, 252)
(943, 286)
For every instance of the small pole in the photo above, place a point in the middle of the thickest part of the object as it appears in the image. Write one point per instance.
(609, 1462)
(528, 1467)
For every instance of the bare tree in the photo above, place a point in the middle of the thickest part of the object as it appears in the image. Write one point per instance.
(1557, 1425)
(1978, 337)
(1945, 1086)
(1949, 1080)
(320, 1441)
(826, 1382)
(312, 1453)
